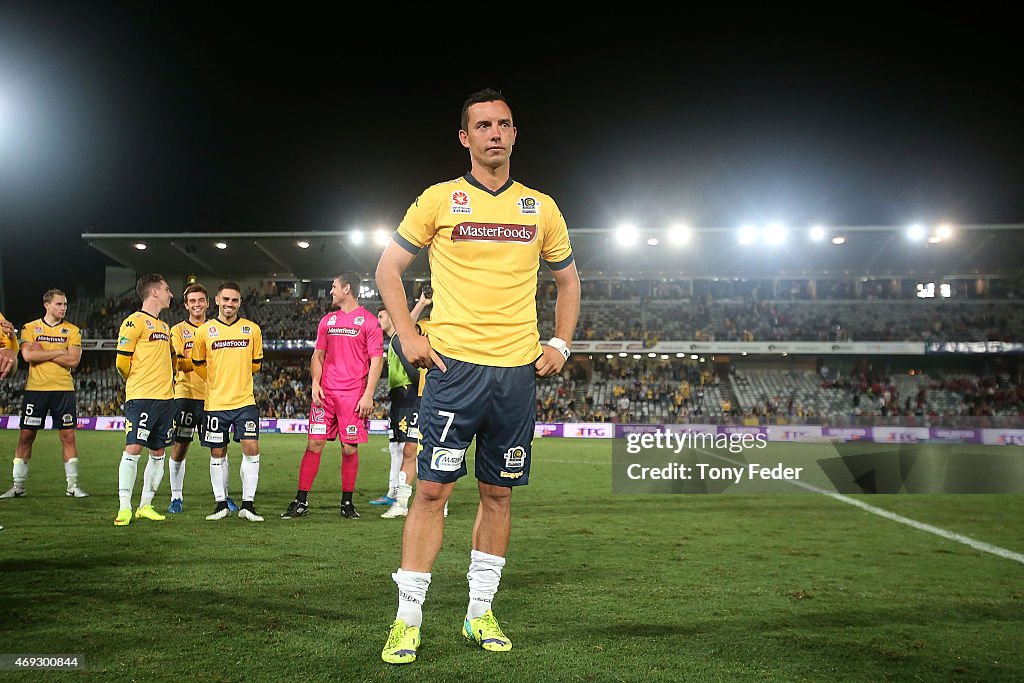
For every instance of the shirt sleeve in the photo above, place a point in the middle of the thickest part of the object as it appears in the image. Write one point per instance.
(199, 347)
(28, 334)
(177, 342)
(321, 335)
(127, 337)
(419, 226)
(375, 340)
(75, 337)
(555, 249)
(257, 344)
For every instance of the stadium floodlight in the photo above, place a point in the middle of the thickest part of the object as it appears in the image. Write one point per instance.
(626, 235)
(141, 246)
(679, 234)
(838, 240)
(934, 239)
(680, 355)
(221, 245)
(817, 233)
(944, 231)
(381, 237)
(623, 355)
(747, 234)
(356, 237)
(637, 356)
(302, 244)
(703, 360)
(652, 355)
(694, 356)
(664, 356)
(652, 242)
(609, 356)
(775, 234)
(916, 232)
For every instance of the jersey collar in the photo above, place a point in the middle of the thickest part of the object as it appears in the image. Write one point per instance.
(476, 183)
(218, 319)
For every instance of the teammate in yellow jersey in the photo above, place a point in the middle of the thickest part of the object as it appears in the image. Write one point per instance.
(145, 361)
(189, 394)
(226, 352)
(487, 235)
(8, 347)
(8, 350)
(53, 348)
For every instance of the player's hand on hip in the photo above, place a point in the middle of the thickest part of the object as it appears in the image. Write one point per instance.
(550, 362)
(318, 395)
(418, 352)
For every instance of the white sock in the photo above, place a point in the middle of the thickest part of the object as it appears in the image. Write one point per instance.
(126, 472)
(403, 495)
(20, 473)
(176, 468)
(226, 473)
(71, 472)
(217, 478)
(250, 471)
(484, 576)
(412, 591)
(396, 467)
(151, 478)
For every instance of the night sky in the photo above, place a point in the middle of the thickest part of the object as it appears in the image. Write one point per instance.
(125, 117)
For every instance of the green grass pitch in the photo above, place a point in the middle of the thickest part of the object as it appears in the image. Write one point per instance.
(598, 587)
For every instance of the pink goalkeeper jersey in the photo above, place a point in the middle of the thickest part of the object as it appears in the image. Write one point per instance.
(350, 340)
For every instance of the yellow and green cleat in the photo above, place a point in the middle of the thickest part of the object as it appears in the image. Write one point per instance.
(402, 643)
(486, 632)
(148, 512)
(124, 517)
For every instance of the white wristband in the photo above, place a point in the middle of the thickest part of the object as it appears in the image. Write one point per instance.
(560, 346)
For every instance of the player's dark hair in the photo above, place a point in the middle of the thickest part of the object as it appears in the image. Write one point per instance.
(229, 285)
(485, 95)
(146, 283)
(50, 293)
(382, 308)
(192, 289)
(353, 280)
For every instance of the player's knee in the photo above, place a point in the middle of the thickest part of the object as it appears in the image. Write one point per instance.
(315, 445)
(67, 437)
(432, 493)
(26, 437)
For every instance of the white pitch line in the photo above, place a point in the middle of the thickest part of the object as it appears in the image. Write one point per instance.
(920, 526)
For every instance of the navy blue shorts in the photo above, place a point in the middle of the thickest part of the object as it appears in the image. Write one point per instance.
(188, 417)
(59, 404)
(404, 422)
(149, 422)
(495, 405)
(244, 421)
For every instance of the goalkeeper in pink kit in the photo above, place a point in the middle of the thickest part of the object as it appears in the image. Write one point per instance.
(345, 367)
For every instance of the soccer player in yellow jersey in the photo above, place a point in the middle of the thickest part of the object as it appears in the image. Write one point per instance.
(8, 347)
(226, 352)
(487, 235)
(8, 350)
(189, 394)
(53, 348)
(145, 361)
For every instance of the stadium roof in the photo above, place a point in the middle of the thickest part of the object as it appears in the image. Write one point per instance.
(866, 251)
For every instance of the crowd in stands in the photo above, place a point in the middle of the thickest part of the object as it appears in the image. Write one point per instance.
(667, 315)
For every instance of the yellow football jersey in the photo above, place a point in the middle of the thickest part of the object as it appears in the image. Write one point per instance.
(186, 384)
(485, 250)
(49, 376)
(148, 341)
(7, 342)
(228, 352)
